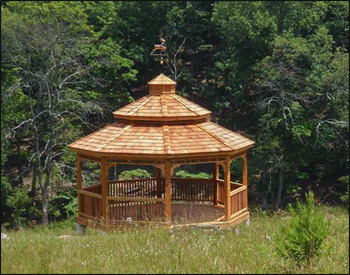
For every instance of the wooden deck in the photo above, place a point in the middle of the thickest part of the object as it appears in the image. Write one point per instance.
(183, 214)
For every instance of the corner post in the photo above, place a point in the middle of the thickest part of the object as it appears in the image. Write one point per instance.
(159, 183)
(104, 187)
(227, 188)
(168, 190)
(215, 183)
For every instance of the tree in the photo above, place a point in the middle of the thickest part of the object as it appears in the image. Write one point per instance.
(53, 50)
(277, 72)
(304, 237)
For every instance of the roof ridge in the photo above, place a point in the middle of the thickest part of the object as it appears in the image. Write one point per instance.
(114, 123)
(178, 100)
(231, 131)
(164, 113)
(166, 139)
(133, 111)
(162, 77)
(141, 105)
(99, 148)
(216, 137)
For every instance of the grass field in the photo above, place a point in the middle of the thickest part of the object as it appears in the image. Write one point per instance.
(243, 249)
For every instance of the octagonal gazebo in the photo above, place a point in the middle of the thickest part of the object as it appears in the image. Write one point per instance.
(166, 131)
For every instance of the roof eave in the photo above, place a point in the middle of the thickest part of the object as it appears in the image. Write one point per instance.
(155, 156)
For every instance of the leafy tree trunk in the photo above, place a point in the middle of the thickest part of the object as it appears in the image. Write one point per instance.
(280, 187)
(35, 176)
(283, 199)
(264, 199)
(19, 164)
(45, 204)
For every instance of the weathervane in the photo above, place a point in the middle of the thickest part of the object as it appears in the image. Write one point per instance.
(161, 48)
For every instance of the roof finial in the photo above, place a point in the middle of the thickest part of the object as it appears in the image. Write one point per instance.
(160, 47)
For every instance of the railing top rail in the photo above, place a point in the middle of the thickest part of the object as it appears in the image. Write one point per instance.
(135, 199)
(232, 182)
(238, 190)
(91, 194)
(148, 179)
(129, 181)
(191, 179)
(87, 188)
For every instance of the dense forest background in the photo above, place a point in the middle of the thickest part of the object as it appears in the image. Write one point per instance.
(276, 72)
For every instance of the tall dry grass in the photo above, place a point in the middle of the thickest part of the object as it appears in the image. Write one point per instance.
(243, 249)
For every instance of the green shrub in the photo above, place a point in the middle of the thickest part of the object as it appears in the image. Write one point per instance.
(135, 174)
(304, 236)
(21, 209)
(185, 174)
(64, 204)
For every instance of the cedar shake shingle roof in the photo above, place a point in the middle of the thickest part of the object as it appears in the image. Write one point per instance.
(158, 139)
(161, 80)
(162, 124)
(165, 107)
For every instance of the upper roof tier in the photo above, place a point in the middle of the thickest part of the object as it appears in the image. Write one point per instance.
(172, 126)
(162, 104)
(161, 80)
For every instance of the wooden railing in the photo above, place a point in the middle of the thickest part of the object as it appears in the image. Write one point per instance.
(221, 192)
(185, 189)
(95, 188)
(141, 188)
(90, 204)
(136, 200)
(181, 188)
(135, 209)
(238, 199)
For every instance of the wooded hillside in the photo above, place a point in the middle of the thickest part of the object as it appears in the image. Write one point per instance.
(276, 72)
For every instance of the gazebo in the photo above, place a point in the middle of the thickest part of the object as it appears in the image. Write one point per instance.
(166, 131)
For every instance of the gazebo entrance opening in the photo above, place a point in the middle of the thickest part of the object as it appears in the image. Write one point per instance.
(115, 202)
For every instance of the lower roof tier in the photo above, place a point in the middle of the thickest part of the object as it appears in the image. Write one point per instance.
(161, 140)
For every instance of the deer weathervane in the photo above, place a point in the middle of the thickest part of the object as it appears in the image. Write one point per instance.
(161, 48)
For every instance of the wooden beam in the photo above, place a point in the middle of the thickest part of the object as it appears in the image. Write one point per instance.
(104, 183)
(110, 198)
(93, 186)
(159, 157)
(79, 185)
(168, 190)
(245, 169)
(215, 183)
(238, 190)
(129, 181)
(245, 179)
(239, 213)
(91, 194)
(227, 188)
(159, 183)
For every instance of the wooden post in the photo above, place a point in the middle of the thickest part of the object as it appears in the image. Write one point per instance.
(159, 183)
(227, 188)
(168, 190)
(104, 187)
(245, 179)
(79, 185)
(215, 183)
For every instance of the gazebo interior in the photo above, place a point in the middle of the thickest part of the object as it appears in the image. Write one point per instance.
(164, 131)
